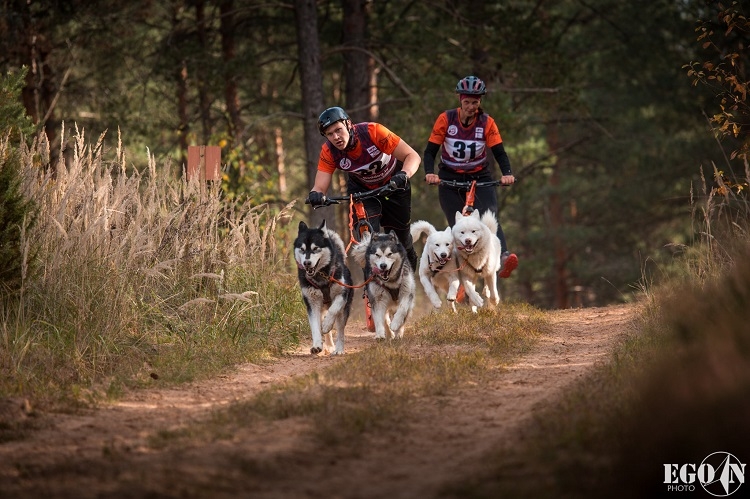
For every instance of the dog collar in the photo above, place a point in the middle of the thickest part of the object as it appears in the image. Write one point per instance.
(324, 288)
(435, 268)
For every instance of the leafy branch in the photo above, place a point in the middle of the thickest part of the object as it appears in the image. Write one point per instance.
(727, 74)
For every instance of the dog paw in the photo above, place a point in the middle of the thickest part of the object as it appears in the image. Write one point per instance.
(437, 303)
(315, 350)
(379, 338)
(337, 352)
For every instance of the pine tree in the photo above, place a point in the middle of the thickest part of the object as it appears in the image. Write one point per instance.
(15, 210)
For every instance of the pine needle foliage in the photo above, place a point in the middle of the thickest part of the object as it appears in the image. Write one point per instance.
(16, 211)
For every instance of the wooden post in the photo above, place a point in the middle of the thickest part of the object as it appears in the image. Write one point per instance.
(204, 163)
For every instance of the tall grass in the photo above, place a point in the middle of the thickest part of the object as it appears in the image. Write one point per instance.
(135, 276)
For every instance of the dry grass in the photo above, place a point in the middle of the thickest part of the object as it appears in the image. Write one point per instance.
(135, 275)
(374, 388)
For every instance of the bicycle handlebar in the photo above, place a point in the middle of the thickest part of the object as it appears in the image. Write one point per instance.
(357, 196)
(466, 184)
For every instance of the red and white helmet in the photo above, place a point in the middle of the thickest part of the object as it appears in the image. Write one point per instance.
(471, 85)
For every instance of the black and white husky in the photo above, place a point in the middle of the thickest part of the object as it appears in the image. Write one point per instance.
(323, 279)
(390, 282)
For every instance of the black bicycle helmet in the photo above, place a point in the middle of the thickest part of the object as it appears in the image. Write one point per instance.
(329, 117)
(471, 85)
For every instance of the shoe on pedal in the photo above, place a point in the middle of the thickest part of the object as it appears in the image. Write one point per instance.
(510, 262)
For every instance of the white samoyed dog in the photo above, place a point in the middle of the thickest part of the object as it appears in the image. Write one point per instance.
(478, 251)
(438, 270)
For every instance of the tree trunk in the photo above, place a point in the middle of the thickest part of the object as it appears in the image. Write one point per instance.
(203, 96)
(182, 114)
(356, 63)
(280, 165)
(560, 256)
(311, 76)
(228, 52)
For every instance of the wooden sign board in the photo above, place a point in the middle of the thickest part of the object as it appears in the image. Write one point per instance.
(204, 162)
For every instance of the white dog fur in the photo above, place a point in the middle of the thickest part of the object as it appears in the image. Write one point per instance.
(479, 251)
(438, 270)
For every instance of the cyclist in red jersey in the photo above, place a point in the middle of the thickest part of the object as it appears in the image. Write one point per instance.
(372, 156)
(465, 133)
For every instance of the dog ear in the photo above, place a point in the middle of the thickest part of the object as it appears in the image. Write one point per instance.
(323, 225)
(459, 216)
(475, 214)
(302, 225)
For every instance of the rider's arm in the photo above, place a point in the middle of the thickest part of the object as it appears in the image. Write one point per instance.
(429, 157)
(322, 181)
(495, 143)
(437, 137)
(391, 143)
(498, 151)
(408, 156)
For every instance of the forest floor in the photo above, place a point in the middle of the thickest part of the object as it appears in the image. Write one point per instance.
(109, 451)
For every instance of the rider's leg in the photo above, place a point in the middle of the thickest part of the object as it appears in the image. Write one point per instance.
(397, 217)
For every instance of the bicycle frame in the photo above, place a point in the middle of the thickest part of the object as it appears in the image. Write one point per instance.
(471, 185)
(356, 206)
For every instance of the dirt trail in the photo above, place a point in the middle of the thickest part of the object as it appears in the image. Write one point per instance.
(106, 452)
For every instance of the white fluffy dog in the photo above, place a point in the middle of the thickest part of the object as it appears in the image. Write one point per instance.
(479, 250)
(437, 268)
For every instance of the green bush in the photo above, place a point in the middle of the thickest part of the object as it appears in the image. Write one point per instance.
(16, 212)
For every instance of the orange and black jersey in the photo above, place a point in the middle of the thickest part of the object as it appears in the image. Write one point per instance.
(465, 146)
(370, 161)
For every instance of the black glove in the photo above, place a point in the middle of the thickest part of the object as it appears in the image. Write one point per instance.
(400, 179)
(315, 198)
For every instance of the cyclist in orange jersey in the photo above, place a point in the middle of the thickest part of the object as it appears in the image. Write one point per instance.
(465, 133)
(372, 156)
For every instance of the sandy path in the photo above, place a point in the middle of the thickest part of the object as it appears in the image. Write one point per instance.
(106, 452)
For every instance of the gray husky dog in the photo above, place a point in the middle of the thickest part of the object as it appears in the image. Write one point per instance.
(391, 286)
(325, 282)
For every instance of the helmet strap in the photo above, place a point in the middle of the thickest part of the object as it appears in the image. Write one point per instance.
(352, 136)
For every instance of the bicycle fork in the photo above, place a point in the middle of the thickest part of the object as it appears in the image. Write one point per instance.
(363, 227)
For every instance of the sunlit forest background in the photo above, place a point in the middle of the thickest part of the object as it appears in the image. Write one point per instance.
(614, 135)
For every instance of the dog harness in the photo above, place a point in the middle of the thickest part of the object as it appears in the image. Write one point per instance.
(478, 271)
(324, 288)
(433, 268)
